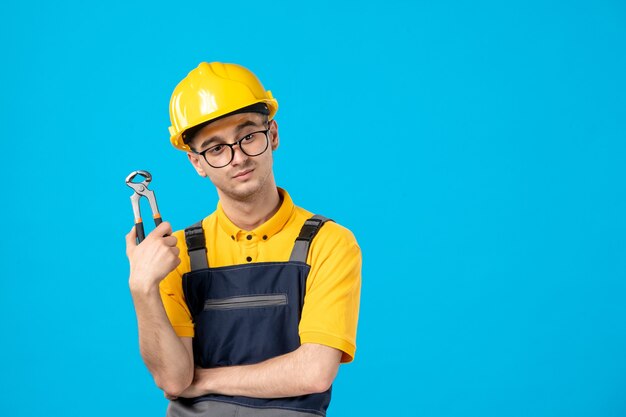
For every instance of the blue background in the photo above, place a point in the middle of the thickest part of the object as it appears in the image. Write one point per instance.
(476, 149)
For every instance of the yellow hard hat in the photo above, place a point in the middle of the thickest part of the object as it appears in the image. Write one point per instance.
(211, 91)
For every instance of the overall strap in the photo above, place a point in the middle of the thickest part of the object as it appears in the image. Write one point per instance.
(196, 246)
(307, 233)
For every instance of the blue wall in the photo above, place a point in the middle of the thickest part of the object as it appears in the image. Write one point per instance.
(476, 149)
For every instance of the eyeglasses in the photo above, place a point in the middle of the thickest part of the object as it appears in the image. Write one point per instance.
(253, 144)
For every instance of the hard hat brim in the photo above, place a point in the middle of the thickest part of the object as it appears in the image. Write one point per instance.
(178, 142)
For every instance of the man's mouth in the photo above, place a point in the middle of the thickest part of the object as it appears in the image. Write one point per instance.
(243, 173)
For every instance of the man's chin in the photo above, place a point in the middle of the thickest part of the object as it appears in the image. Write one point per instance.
(244, 191)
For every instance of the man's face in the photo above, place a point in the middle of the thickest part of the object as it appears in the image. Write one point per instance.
(244, 176)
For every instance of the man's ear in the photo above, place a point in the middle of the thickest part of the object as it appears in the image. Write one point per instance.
(274, 140)
(195, 161)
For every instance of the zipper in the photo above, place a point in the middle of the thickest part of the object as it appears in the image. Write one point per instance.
(246, 301)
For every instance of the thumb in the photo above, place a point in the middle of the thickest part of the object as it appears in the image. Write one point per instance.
(131, 239)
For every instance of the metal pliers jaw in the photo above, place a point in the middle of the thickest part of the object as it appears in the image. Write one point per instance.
(141, 190)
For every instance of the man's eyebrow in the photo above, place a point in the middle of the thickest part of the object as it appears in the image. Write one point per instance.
(247, 123)
(208, 141)
(218, 138)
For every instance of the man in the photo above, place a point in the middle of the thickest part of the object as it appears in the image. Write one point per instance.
(251, 311)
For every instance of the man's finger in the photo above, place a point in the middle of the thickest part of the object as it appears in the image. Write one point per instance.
(170, 241)
(161, 230)
(131, 238)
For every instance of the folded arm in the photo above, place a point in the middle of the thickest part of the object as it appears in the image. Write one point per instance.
(309, 369)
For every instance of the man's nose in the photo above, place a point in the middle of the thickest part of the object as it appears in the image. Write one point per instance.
(238, 155)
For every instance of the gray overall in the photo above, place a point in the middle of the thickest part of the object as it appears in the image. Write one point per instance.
(245, 314)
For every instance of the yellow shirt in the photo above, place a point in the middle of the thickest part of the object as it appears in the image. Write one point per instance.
(331, 302)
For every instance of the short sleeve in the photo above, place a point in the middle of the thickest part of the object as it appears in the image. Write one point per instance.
(331, 304)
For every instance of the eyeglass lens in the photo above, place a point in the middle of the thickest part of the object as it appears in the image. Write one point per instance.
(254, 144)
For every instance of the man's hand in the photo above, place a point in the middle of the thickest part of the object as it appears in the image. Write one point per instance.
(152, 259)
(195, 389)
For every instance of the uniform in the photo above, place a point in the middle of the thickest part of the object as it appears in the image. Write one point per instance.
(257, 300)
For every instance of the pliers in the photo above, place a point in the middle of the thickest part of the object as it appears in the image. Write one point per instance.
(141, 190)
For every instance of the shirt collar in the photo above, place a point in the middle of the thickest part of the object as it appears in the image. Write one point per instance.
(265, 231)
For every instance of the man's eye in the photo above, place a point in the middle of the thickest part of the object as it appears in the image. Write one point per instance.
(248, 138)
(216, 149)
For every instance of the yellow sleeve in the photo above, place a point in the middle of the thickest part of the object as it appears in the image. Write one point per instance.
(171, 289)
(331, 303)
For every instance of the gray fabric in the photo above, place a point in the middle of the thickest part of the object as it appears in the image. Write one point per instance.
(222, 409)
(301, 246)
(197, 258)
(246, 301)
(300, 251)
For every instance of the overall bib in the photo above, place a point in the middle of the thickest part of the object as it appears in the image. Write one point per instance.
(245, 314)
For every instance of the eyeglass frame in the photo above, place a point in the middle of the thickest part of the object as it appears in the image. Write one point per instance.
(232, 150)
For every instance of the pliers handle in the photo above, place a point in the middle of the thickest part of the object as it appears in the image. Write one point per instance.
(141, 190)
